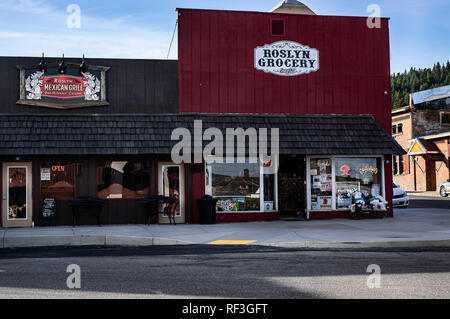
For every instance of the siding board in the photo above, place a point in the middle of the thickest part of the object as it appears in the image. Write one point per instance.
(353, 74)
(133, 86)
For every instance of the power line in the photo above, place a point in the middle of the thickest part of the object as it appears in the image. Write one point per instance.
(171, 41)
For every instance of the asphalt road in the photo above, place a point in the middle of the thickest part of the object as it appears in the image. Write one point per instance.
(429, 202)
(223, 272)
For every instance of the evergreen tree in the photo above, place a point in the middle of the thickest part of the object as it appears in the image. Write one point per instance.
(418, 80)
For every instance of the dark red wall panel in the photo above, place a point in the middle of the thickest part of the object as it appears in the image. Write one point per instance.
(217, 74)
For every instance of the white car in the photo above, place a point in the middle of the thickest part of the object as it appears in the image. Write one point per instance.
(400, 198)
(444, 189)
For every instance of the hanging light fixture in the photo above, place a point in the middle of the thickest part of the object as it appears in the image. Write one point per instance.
(62, 67)
(42, 66)
(83, 67)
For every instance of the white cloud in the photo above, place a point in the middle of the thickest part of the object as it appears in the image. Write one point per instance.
(97, 37)
(27, 6)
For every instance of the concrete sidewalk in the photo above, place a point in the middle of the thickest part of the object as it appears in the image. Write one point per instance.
(409, 228)
(430, 194)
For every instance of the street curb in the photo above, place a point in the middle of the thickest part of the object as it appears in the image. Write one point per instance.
(355, 245)
(133, 241)
(87, 240)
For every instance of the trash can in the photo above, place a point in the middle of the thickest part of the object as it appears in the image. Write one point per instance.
(207, 209)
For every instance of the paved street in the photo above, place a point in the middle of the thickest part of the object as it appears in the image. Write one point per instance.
(242, 271)
(417, 201)
(223, 272)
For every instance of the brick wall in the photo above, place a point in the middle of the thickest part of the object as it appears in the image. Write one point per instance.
(405, 180)
(442, 168)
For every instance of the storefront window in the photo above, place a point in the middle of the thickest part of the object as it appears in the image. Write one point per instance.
(123, 180)
(58, 180)
(362, 174)
(235, 185)
(269, 192)
(321, 183)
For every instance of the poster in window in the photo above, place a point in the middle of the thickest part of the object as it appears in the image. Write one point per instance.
(324, 202)
(45, 174)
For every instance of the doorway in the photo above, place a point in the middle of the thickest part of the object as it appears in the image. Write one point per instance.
(17, 207)
(171, 183)
(291, 186)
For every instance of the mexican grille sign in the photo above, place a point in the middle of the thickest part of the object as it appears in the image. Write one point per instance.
(63, 91)
(286, 58)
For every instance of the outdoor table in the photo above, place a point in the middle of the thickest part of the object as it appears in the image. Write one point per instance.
(86, 202)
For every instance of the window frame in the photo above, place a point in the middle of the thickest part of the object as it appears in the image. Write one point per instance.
(401, 165)
(77, 163)
(395, 165)
(208, 189)
(119, 159)
(333, 172)
(441, 115)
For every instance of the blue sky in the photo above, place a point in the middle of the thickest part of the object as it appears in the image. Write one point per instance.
(419, 29)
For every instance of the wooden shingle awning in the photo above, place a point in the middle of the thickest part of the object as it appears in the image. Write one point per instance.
(144, 134)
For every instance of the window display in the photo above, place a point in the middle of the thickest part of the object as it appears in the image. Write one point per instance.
(123, 180)
(321, 184)
(58, 180)
(269, 192)
(357, 174)
(236, 186)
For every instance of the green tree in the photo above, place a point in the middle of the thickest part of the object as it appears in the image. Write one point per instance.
(403, 84)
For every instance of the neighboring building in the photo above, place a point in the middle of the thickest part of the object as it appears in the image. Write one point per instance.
(423, 130)
(105, 129)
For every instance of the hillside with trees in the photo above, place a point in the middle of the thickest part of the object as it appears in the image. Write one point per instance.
(417, 80)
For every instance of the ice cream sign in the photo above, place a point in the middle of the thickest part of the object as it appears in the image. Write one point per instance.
(286, 58)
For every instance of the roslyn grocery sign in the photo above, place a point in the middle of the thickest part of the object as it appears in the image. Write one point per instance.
(72, 89)
(286, 58)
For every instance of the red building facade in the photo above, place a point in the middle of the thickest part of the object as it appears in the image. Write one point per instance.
(218, 73)
(321, 82)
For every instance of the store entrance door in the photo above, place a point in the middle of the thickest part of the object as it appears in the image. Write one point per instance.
(171, 183)
(431, 175)
(292, 186)
(16, 195)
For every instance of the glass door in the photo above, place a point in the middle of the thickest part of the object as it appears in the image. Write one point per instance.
(171, 184)
(16, 197)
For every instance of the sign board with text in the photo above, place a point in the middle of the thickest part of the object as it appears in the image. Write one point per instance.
(63, 91)
(286, 58)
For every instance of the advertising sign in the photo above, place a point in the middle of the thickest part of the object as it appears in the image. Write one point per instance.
(45, 174)
(73, 89)
(286, 58)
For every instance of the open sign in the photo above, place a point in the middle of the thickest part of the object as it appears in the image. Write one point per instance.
(57, 168)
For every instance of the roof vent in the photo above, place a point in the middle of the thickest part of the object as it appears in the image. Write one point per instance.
(277, 27)
(292, 7)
